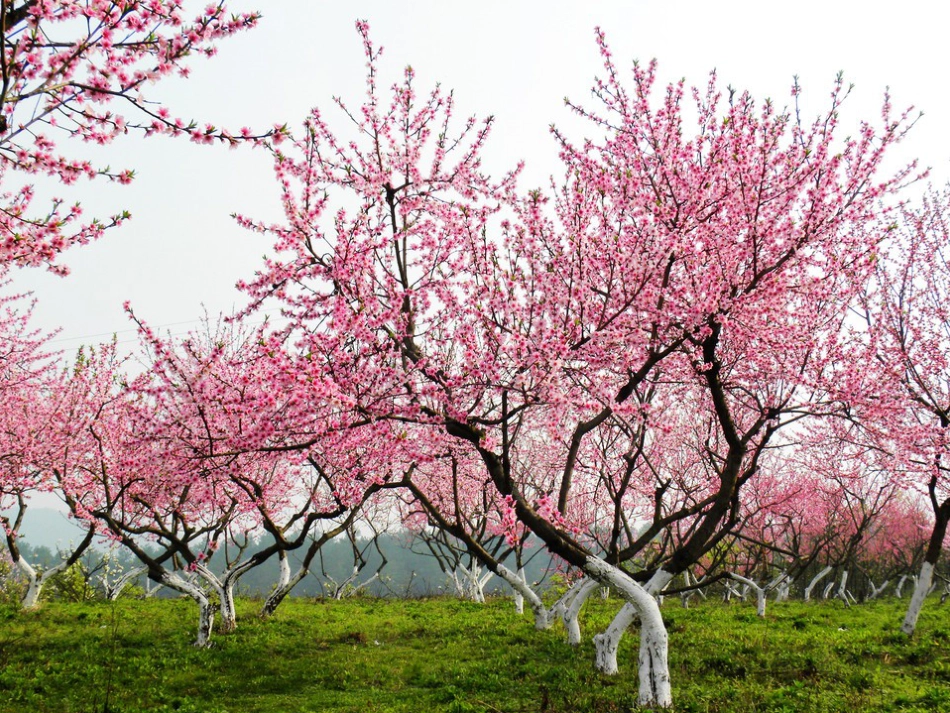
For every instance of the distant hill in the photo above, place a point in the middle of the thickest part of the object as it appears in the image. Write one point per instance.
(47, 527)
(407, 573)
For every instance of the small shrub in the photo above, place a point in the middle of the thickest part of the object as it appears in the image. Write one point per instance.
(70, 585)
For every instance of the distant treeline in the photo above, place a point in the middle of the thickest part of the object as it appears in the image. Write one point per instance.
(410, 570)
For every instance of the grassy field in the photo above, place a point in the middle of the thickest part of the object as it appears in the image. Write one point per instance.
(368, 655)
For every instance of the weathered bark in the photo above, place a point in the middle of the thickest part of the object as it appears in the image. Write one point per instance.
(653, 666)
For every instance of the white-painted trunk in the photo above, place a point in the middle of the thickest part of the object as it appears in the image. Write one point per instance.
(206, 609)
(36, 582)
(921, 588)
(559, 607)
(31, 599)
(827, 591)
(700, 592)
(224, 588)
(572, 612)
(759, 592)
(228, 613)
(685, 596)
(779, 585)
(815, 580)
(283, 588)
(348, 588)
(542, 620)
(124, 581)
(900, 586)
(842, 592)
(518, 596)
(470, 582)
(607, 642)
(875, 590)
(690, 581)
(481, 582)
(653, 666)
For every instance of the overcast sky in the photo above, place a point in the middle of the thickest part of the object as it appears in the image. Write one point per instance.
(514, 60)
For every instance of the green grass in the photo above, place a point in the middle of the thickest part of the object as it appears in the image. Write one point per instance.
(369, 655)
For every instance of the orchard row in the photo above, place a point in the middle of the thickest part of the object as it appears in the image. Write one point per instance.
(717, 346)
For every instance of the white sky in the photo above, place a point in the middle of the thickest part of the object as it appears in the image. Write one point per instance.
(515, 60)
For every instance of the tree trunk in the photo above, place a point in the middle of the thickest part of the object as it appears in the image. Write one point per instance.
(653, 665)
(285, 584)
(31, 599)
(206, 609)
(842, 593)
(759, 592)
(36, 582)
(542, 618)
(685, 596)
(518, 596)
(877, 591)
(814, 580)
(783, 590)
(607, 642)
(931, 556)
(113, 592)
(921, 589)
(900, 586)
(228, 614)
(569, 617)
